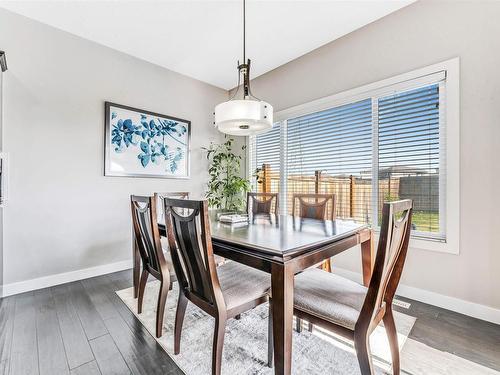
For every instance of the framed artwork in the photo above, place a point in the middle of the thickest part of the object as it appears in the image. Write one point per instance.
(140, 143)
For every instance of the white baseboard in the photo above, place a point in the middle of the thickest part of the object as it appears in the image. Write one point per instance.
(472, 309)
(61, 278)
(475, 310)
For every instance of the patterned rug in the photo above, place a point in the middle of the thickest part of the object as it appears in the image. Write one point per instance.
(245, 344)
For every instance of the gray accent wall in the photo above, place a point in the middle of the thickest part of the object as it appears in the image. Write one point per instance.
(63, 215)
(419, 35)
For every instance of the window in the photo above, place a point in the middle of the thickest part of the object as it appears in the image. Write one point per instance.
(378, 143)
(331, 152)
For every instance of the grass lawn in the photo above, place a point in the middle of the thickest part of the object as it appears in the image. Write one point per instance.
(426, 221)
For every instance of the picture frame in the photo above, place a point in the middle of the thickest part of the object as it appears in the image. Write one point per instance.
(141, 143)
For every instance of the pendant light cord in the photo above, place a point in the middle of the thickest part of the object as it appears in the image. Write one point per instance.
(250, 95)
(244, 32)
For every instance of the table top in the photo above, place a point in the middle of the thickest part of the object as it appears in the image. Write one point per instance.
(283, 234)
(280, 234)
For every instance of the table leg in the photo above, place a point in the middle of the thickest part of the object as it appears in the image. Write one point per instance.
(136, 266)
(282, 293)
(368, 258)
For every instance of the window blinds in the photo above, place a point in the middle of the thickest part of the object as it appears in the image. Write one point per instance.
(265, 149)
(409, 152)
(331, 152)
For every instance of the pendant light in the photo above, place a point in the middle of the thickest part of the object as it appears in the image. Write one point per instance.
(247, 115)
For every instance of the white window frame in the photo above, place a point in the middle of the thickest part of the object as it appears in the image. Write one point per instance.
(449, 178)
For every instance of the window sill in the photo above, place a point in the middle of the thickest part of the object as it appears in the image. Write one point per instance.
(433, 245)
(429, 244)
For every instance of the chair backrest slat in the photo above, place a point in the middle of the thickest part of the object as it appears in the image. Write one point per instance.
(391, 255)
(188, 231)
(145, 225)
(313, 206)
(262, 203)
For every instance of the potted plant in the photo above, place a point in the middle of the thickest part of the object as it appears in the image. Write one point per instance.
(226, 188)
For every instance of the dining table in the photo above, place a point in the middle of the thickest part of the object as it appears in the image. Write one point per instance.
(283, 246)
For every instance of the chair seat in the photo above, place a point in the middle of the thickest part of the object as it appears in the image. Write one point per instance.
(241, 284)
(329, 297)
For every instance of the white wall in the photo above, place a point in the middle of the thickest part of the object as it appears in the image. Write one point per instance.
(63, 215)
(422, 34)
(1, 208)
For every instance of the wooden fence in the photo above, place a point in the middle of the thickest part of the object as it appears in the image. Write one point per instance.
(353, 193)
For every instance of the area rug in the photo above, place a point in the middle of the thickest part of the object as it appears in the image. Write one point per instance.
(420, 359)
(245, 344)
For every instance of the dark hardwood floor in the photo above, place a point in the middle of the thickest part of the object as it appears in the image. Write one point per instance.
(83, 328)
(473, 339)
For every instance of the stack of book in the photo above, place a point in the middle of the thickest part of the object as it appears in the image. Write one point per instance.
(233, 218)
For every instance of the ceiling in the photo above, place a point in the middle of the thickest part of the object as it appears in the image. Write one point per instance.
(203, 39)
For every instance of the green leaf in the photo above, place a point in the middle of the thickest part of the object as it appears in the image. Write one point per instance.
(225, 188)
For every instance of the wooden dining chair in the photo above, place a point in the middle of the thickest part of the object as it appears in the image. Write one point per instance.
(313, 206)
(223, 292)
(161, 219)
(262, 203)
(352, 310)
(154, 263)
